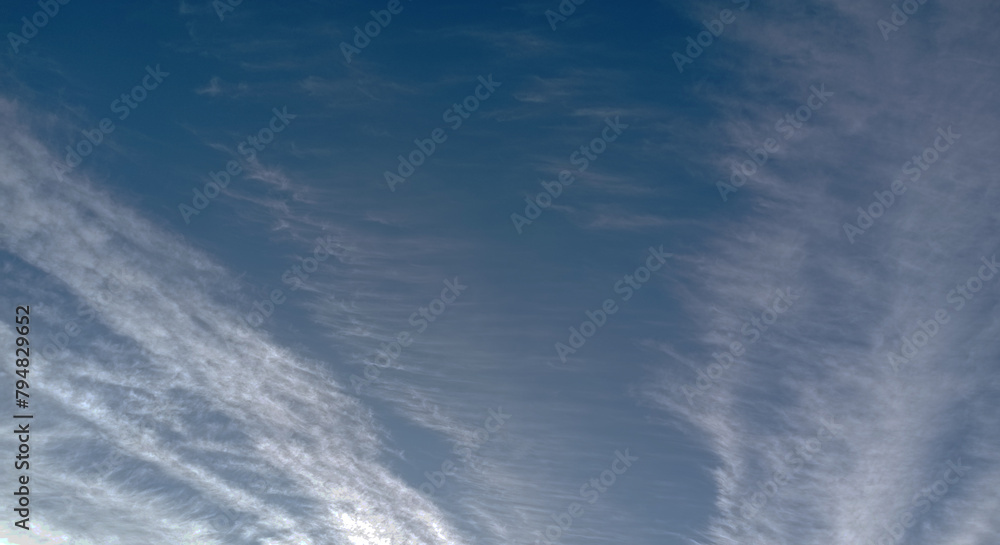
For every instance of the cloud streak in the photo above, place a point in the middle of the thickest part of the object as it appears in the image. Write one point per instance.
(829, 361)
(210, 407)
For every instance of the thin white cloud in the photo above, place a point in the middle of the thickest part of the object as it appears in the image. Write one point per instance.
(213, 88)
(827, 359)
(275, 413)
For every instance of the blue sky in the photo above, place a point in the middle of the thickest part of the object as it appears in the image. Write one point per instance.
(663, 272)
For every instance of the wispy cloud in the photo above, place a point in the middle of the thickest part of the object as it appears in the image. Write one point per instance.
(828, 362)
(271, 413)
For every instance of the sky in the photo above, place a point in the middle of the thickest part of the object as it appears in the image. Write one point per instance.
(535, 273)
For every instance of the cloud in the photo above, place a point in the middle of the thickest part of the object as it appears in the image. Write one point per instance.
(828, 359)
(214, 87)
(212, 406)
